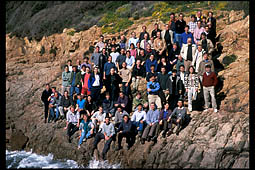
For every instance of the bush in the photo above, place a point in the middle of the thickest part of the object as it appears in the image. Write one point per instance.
(229, 59)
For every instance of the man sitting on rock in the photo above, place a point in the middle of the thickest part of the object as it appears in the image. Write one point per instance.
(72, 122)
(177, 117)
(98, 117)
(107, 134)
(138, 119)
(119, 116)
(122, 100)
(66, 102)
(54, 107)
(152, 118)
(163, 116)
(137, 100)
(125, 130)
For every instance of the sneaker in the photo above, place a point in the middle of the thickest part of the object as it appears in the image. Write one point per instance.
(169, 133)
(215, 110)
(206, 110)
(190, 110)
(164, 135)
(79, 147)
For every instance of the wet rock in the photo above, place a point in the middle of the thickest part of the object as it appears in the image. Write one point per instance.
(18, 140)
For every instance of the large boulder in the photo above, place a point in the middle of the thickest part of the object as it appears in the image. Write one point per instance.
(18, 140)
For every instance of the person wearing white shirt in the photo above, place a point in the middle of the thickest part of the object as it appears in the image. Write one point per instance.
(198, 57)
(133, 39)
(138, 119)
(114, 55)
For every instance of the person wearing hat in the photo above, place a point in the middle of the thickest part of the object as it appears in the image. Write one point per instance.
(209, 82)
(177, 117)
(192, 24)
(107, 133)
(201, 67)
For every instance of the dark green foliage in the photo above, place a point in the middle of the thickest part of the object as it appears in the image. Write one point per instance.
(53, 50)
(229, 59)
(42, 50)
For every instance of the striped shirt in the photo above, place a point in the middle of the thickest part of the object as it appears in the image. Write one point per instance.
(192, 26)
(72, 118)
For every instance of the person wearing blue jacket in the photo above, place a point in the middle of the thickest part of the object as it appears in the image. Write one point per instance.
(177, 117)
(152, 118)
(185, 36)
(153, 88)
(125, 130)
(95, 85)
(151, 61)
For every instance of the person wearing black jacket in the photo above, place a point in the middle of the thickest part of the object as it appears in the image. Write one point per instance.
(154, 32)
(142, 57)
(112, 84)
(141, 37)
(174, 52)
(125, 130)
(179, 28)
(175, 87)
(102, 60)
(212, 20)
(163, 117)
(138, 74)
(45, 95)
(65, 103)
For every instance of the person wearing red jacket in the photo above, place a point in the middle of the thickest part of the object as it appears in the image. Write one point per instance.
(209, 82)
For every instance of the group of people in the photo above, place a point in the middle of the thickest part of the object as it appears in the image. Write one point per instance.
(96, 97)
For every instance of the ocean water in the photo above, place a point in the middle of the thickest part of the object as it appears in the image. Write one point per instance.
(23, 159)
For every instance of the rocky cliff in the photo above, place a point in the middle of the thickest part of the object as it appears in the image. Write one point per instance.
(210, 140)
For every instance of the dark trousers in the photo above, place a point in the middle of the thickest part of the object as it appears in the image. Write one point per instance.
(107, 144)
(46, 109)
(71, 129)
(172, 100)
(95, 93)
(174, 121)
(125, 88)
(163, 126)
(127, 136)
(162, 97)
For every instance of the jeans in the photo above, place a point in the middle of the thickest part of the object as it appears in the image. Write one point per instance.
(140, 125)
(192, 94)
(209, 90)
(52, 110)
(72, 89)
(125, 88)
(46, 109)
(107, 144)
(71, 129)
(95, 93)
(83, 135)
(178, 38)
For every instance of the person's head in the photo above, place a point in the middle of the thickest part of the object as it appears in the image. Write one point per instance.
(85, 117)
(66, 68)
(69, 62)
(53, 89)
(203, 36)
(163, 59)
(124, 64)
(79, 96)
(172, 16)
(189, 40)
(180, 57)
(180, 103)
(138, 62)
(152, 78)
(158, 34)
(191, 69)
(174, 72)
(152, 68)
(138, 44)
(199, 24)
(186, 29)
(139, 107)
(210, 14)
(110, 58)
(132, 46)
(208, 67)
(142, 52)
(207, 28)
(166, 27)
(138, 95)
(204, 19)
(163, 69)
(156, 26)
(166, 106)
(181, 16)
(86, 59)
(97, 49)
(83, 68)
(122, 37)
(113, 40)
(128, 53)
(56, 94)
(152, 57)
(193, 18)
(95, 70)
(107, 95)
(113, 49)
(205, 56)
(89, 98)
(152, 105)
(74, 68)
(107, 120)
(100, 108)
(87, 69)
(146, 36)
(72, 108)
(175, 46)
(122, 51)
(148, 47)
(209, 25)
(133, 34)
(182, 68)
(112, 70)
(144, 28)
(121, 94)
(102, 38)
(125, 118)
(65, 93)
(104, 50)
(47, 86)
(198, 13)
(119, 108)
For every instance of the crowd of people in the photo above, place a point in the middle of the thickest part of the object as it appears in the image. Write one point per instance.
(176, 63)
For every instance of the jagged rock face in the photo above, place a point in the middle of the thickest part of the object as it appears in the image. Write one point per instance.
(210, 140)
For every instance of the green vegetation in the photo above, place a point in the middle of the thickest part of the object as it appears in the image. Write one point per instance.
(229, 59)
(71, 32)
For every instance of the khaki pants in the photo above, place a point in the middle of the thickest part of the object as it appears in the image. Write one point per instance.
(187, 63)
(209, 90)
(156, 99)
(135, 82)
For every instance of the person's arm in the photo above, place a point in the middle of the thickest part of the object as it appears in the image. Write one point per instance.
(133, 116)
(148, 119)
(212, 66)
(120, 127)
(157, 117)
(157, 88)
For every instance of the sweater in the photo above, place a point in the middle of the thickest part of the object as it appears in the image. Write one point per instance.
(66, 76)
(162, 79)
(126, 127)
(108, 129)
(179, 113)
(161, 114)
(152, 116)
(210, 80)
(119, 116)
